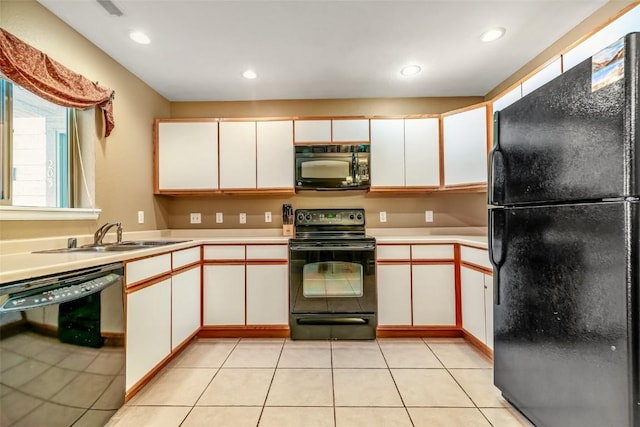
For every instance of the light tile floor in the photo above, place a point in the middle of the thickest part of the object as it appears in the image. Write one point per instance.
(277, 382)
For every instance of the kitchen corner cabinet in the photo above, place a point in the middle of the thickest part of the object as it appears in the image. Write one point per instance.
(185, 305)
(405, 153)
(465, 147)
(224, 294)
(186, 156)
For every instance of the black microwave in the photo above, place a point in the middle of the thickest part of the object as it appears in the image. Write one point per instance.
(332, 167)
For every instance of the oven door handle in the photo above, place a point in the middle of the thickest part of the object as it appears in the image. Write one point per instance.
(312, 247)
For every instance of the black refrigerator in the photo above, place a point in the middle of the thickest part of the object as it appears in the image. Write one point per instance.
(564, 242)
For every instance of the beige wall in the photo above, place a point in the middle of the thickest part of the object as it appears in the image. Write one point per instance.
(124, 171)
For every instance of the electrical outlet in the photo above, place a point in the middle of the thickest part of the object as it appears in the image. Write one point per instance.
(428, 216)
(140, 217)
(383, 216)
(267, 217)
(243, 218)
(219, 218)
(195, 218)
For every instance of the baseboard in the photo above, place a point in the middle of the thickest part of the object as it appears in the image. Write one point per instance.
(262, 331)
(482, 347)
(418, 332)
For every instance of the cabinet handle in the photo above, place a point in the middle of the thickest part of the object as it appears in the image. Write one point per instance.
(496, 166)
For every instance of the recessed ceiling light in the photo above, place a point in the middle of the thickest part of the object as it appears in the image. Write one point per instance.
(410, 70)
(139, 37)
(249, 75)
(492, 34)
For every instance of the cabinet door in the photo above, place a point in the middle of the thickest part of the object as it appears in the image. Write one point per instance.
(148, 330)
(422, 152)
(312, 131)
(275, 154)
(223, 299)
(387, 153)
(508, 98)
(350, 130)
(267, 295)
(394, 294)
(237, 155)
(465, 147)
(627, 23)
(187, 156)
(473, 303)
(434, 294)
(543, 76)
(185, 305)
(488, 308)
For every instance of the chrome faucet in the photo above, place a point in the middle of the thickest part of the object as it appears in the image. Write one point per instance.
(102, 231)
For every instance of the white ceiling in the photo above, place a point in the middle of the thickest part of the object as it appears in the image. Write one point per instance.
(312, 49)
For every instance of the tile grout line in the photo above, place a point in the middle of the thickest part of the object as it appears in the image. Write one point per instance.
(333, 385)
(208, 384)
(395, 384)
(275, 369)
(459, 385)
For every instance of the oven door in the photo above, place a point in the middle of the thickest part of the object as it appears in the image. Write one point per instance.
(332, 278)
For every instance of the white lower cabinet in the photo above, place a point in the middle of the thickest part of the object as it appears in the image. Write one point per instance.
(477, 304)
(394, 294)
(185, 305)
(224, 296)
(267, 295)
(434, 294)
(148, 337)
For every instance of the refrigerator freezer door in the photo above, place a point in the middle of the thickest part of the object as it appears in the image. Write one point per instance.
(569, 142)
(566, 326)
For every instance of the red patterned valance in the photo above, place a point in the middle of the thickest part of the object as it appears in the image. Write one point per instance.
(36, 72)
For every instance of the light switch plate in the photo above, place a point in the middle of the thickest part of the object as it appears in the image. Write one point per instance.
(383, 216)
(267, 217)
(140, 217)
(195, 218)
(219, 218)
(428, 216)
(243, 218)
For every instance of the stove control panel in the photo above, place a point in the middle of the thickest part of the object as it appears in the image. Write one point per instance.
(330, 217)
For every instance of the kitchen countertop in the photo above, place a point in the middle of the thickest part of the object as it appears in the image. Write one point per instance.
(17, 262)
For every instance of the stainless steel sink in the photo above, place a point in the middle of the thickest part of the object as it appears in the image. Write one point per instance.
(114, 247)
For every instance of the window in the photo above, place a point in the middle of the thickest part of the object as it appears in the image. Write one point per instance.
(37, 155)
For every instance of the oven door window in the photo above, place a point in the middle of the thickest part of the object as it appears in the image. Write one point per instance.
(332, 279)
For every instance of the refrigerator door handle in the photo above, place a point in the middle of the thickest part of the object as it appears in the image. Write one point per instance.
(496, 166)
(496, 248)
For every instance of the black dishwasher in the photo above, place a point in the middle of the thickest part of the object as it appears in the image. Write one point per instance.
(62, 358)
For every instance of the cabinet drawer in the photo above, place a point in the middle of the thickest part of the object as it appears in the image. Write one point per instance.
(429, 252)
(475, 256)
(393, 252)
(270, 252)
(137, 271)
(223, 252)
(185, 257)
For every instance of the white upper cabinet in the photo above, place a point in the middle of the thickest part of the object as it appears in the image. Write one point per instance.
(187, 156)
(350, 130)
(238, 155)
(387, 153)
(627, 23)
(465, 147)
(274, 154)
(312, 131)
(543, 76)
(422, 152)
(508, 98)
